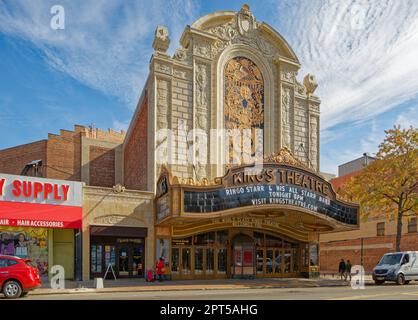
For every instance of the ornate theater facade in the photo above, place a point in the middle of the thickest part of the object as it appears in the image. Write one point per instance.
(216, 218)
(218, 172)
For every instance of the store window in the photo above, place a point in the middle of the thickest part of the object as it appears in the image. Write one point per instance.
(380, 228)
(27, 243)
(412, 225)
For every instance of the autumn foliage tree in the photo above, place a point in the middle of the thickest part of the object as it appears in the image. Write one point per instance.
(389, 185)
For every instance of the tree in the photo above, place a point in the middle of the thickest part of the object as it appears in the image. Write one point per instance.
(389, 185)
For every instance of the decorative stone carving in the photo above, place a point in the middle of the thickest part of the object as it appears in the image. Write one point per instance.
(314, 142)
(201, 115)
(118, 220)
(202, 49)
(163, 68)
(201, 84)
(118, 188)
(180, 54)
(287, 75)
(162, 104)
(182, 74)
(310, 83)
(286, 101)
(300, 88)
(242, 29)
(284, 156)
(161, 39)
(246, 20)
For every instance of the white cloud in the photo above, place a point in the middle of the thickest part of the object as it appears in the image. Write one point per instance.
(408, 118)
(364, 53)
(105, 45)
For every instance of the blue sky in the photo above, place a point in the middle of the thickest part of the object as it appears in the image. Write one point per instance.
(364, 54)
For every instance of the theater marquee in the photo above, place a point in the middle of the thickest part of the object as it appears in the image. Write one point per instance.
(275, 185)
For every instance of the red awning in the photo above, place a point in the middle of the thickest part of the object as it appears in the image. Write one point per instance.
(22, 214)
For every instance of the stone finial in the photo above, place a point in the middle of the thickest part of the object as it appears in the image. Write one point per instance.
(161, 39)
(310, 83)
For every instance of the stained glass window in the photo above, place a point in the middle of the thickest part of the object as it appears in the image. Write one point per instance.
(244, 102)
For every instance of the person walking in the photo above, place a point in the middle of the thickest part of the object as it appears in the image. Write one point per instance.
(341, 269)
(348, 269)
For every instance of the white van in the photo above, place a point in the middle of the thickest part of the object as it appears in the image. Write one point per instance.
(401, 267)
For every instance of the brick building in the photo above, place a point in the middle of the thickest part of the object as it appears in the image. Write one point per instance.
(375, 237)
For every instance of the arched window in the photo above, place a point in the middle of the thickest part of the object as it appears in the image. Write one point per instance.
(244, 102)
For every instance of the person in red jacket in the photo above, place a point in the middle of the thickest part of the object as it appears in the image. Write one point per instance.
(160, 269)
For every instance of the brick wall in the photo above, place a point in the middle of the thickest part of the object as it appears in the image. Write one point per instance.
(373, 249)
(64, 156)
(102, 166)
(136, 152)
(13, 160)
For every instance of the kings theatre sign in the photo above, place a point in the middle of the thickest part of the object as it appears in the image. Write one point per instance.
(274, 185)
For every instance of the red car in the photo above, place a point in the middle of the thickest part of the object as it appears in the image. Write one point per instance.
(17, 276)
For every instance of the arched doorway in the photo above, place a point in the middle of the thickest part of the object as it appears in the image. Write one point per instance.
(243, 257)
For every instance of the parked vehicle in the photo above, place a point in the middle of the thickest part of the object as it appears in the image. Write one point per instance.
(17, 276)
(401, 267)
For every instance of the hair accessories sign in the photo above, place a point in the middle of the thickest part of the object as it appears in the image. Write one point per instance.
(37, 202)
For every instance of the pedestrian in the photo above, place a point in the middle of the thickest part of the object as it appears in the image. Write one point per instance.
(348, 269)
(341, 269)
(160, 269)
(150, 275)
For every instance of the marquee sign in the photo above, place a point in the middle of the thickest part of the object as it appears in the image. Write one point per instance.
(37, 202)
(274, 184)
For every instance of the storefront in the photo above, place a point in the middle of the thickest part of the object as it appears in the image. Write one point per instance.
(121, 247)
(40, 220)
(118, 233)
(247, 225)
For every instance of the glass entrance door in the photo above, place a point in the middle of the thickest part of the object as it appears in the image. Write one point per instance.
(243, 256)
(130, 255)
(124, 260)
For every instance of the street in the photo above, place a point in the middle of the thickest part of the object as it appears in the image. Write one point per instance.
(385, 292)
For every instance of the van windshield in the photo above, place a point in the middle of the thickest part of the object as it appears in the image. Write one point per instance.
(390, 259)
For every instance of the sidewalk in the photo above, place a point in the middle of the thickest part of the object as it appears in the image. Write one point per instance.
(139, 285)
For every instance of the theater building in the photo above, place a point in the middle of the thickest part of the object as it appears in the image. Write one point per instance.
(213, 219)
(222, 217)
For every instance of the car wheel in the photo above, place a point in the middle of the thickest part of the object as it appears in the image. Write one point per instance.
(400, 280)
(12, 289)
(379, 282)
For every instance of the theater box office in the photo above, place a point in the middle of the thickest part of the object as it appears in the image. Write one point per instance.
(41, 219)
(244, 225)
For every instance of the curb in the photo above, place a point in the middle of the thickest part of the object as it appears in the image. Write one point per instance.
(167, 288)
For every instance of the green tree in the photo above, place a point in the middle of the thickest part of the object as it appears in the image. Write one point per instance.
(389, 185)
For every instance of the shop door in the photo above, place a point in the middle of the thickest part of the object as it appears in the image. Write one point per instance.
(130, 259)
(243, 257)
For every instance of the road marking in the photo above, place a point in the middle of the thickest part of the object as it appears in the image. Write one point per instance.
(364, 296)
(411, 293)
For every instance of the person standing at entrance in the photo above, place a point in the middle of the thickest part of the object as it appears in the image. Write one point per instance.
(341, 269)
(348, 269)
(160, 269)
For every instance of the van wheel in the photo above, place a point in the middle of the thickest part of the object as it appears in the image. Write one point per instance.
(379, 282)
(400, 280)
(12, 289)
